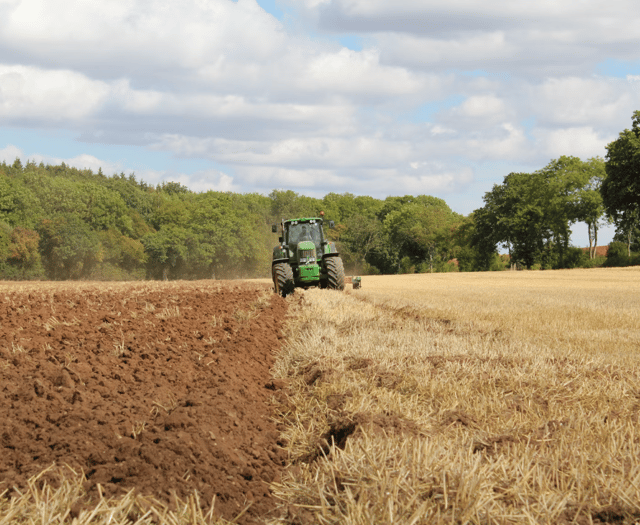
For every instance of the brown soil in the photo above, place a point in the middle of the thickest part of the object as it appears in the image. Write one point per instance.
(162, 387)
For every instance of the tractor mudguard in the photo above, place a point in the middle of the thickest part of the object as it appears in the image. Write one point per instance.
(330, 250)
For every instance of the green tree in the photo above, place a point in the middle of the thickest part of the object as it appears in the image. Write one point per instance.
(589, 205)
(421, 230)
(513, 216)
(59, 196)
(531, 214)
(171, 209)
(5, 242)
(363, 236)
(122, 251)
(629, 234)
(473, 252)
(18, 205)
(621, 188)
(69, 247)
(233, 237)
(169, 251)
(136, 195)
(289, 205)
(104, 209)
(617, 254)
(173, 188)
(24, 254)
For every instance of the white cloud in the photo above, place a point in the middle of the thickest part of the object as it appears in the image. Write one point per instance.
(466, 51)
(378, 182)
(10, 153)
(284, 105)
(534, 38)
(270, 177)
(473, 15)
(200, 181)
(486, 107)
(359, 72)
(572, 101)
(583, 142)
(85, 161)
(320, 152)
(444, 182)
(148, 32)
(32, 93)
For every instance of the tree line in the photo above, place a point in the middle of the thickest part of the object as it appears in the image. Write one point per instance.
(59, 222)
(530, 215)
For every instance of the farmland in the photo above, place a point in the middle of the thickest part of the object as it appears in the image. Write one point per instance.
(159, 387)
(507, 397)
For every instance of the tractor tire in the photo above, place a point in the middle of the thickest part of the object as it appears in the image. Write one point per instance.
(335, 273)
(283, 279)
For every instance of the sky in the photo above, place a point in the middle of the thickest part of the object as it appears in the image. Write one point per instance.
(369, 97)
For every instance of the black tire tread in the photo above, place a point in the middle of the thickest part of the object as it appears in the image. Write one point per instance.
(335, 273)
(283, 279)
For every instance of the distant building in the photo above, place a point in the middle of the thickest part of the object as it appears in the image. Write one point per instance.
(601, 251)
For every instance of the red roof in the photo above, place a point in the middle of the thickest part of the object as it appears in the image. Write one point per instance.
(601, 251)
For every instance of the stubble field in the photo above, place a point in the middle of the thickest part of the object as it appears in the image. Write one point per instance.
(510, 397)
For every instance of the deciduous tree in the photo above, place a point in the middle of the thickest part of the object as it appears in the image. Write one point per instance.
(621, 188)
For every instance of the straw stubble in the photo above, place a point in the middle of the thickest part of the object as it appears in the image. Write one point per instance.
(465, 398)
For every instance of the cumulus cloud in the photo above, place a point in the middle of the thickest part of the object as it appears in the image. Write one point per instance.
(147, 36)
(534, 38)
(583, 142)
(559, 16)
(199, 181)
(10, 153)
(437, 89)
(467, 51)
(420, 179)
(571, 101)
(32, 93)
(319, 152)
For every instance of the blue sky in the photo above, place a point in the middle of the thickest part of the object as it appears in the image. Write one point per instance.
(361, 96)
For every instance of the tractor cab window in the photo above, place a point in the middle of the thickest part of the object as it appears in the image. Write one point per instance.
(305, 232)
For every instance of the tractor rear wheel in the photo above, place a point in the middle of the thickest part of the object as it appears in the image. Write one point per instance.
(283, 279)
(335, 273)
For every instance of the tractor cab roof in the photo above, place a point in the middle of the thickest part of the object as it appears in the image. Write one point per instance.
(304, 219)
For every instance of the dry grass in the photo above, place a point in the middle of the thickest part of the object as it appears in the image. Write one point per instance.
(593, 311)
(65, 502)
(466, 398)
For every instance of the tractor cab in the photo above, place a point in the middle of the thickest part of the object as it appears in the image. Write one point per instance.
(304, 230)
(308, 230)
(305, 240)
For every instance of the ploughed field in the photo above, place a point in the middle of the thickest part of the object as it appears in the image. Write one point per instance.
(161, 387)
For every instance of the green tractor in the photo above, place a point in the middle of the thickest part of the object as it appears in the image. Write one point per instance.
(305, 257)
